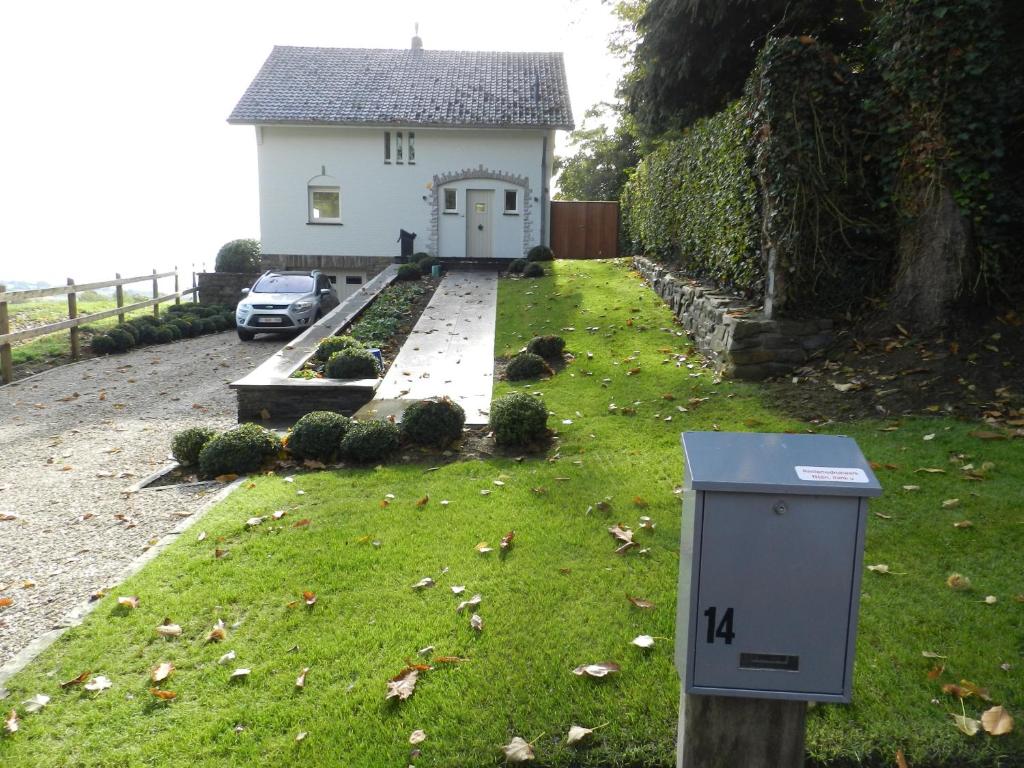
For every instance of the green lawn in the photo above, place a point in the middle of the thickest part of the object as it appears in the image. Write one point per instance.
(556, 601)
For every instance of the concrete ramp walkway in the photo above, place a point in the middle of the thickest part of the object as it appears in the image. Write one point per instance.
(449, 352)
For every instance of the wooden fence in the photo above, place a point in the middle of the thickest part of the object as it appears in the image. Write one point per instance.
(74, 321)
(584, 229)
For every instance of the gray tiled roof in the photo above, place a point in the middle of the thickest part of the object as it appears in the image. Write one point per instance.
(408, 87)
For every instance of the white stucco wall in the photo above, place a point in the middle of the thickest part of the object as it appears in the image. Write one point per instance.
(378, 199)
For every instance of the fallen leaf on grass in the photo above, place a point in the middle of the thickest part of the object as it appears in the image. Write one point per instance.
(958, 582)
(129, 602)
(402, 685)
(901, 761)
(11, 721)
(309, 597)
(966, 724)
(240, 673)
(417, 737)
(169, 630)
(218, 633)
(883, 568)
(982, 434)
(640, 603)
(963, 524)
(643, 641)
(422, 502)
(165, 695)
(883, 516)
(300, 681)
(577, 733)
(911, 487)
(518, 751)
(930, 471)
(506, 541)
(602, 669)
(301, 735)
(473, 602)
(162, 672)
(449, 660)
(423, 583)
(36, 703)
(279, 514)
(476, 622)
(98, 683)
(483, 548)
(931, 655)
(229, 656)
(458, 590)
(76, 681)
(252, 522)
(301, 523)
(639, 503)
(991, 600)
(935, 672)
(951, 503)
(997, 721)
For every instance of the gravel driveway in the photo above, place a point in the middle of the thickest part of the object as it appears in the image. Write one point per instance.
(72, 440)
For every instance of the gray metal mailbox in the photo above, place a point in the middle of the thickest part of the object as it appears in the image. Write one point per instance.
(770, 562)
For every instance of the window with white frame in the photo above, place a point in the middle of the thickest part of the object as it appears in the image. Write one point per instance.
(511, 201)
(412, 148)
(324, 205)
(451, 201)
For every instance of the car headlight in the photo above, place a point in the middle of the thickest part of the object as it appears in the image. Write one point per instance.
(302, 306)
(243, 309)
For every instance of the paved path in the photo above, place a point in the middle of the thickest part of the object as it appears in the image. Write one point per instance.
(450, 351)
(72, 440)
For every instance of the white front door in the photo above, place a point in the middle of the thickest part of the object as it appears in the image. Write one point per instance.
(479, 207)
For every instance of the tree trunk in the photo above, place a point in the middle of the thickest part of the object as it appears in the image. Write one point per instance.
(936, 264)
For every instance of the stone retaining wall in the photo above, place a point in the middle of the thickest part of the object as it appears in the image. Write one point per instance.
(223, 287)
(733, 333)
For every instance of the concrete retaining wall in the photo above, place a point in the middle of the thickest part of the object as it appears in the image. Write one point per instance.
(223, 287)
(731, 331)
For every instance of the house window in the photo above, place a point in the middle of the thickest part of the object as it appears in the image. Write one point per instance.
(451, 201)
(324, 205)
(353, 280)
(398, 147)
(387, 146)
(412, 148)
(511, 201)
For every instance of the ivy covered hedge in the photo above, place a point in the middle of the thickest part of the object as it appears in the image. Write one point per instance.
(692, 203)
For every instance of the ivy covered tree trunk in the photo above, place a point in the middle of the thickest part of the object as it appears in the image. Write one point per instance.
(936, 263)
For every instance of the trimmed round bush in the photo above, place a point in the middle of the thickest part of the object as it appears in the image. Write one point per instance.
(368, 441)
(409, 272)
(142, 320)
(148, 334)
(219, 322)
(526, 365)
(420, 255)
(516, 266)
(352, 363)
(238, 256)
(174, 330)
(549, 347)
(131, 330)
(436, 423)
(187, 444)
(426, 263)
(165, 334)
(184, 327)
(178, 309)
(238, 451)
(540, 253)
(102, 344)
(318, 435)
(518, 419)
(206, 325)
(332, 344)
(533, 269)
(123, 341)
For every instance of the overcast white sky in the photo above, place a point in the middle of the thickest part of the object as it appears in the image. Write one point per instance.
(114, 151)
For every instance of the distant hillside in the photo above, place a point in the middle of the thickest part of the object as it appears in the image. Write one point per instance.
(22, 285)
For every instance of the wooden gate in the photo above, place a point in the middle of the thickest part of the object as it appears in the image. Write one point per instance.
(584, 229)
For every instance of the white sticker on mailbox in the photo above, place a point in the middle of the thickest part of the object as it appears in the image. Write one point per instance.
(832, 474)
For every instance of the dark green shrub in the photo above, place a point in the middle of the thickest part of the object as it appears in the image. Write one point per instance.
(178, 309)
(368, 441)
(102, 344)
(148, 334)
(219, 309)
(131, 330)
(206, 325)
(516, 266)
(229, 318)
(191, 329)
(540, 253)
(238, 451)
(518, 419)
(166, 334)
(318, 435)
(427, 263)
(183, 326)
(420, 255)
(352, 363)
(142, 320)
(549, 347)
(332, 344)
(409, 272)
(123, 341)
(526, 365)
(187, 444)
(219, 322)
(436, 423)
(239, 256)
(174, 330)
(533, 269)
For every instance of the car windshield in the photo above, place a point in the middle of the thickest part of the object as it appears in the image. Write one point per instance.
(284, 284)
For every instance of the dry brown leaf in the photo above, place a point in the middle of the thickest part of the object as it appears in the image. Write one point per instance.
(950, 503)
(639, 602)
(11, 721)
(449, 660)
(473, 602)
(975, 689)
(301, 735)
(219, 553)
(98, 683)
(169, 630)
(229, 478)
(518, 751)
(958, 582)
(963, 524)
(77, 680)
(218, 633)
(643, 641)
(301, 523)
(639, 503)
(602, 669)
(402, 685)
(997, 721)
(36, 703)
(161, 672)
(930, 471)
(165, 695)
(300, 681)
(129, 602)
(6, 602)
(309, 597)
(935, 672)
(880, 568)
(983, 434)
(901, 761)
(476, 622)
(966, 724)
(417, 737)
(931, 655)
(240, 673)
(506, 541)
(279, 514)
(577, 733)
(422, 502)
(424, 583)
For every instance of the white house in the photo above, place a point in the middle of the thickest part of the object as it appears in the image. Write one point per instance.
(355, 145)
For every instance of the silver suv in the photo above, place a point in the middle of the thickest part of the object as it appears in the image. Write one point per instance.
(283, 302)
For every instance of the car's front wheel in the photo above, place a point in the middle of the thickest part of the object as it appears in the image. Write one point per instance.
(245, 335)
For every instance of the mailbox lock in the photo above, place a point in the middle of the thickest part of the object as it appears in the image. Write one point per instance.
(779, 508)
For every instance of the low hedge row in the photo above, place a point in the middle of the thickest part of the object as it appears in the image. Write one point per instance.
(180, 321)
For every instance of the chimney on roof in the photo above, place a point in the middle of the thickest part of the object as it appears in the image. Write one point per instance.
(417, 43)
